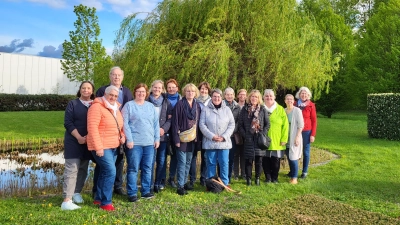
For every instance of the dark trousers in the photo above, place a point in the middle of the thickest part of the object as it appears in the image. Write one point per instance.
(249, 166)
(239, 162)
(271, 166)
(119, 166)
(193, 166)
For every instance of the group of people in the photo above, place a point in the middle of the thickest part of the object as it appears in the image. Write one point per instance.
(152, 123)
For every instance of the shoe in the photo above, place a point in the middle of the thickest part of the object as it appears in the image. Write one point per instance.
(162, 187)
(181, 191)
(293, 181)
(188, 186)
(267, 181)
(148, 196)
(274, 181)
(96, 202)
(133, 198)
(303, 176)
(248, 181)
(77, 198)
(156, 189)
(258, 181)
(69, 206)
(119, 191)
(203, 183)
(171, 183)
(108, 207)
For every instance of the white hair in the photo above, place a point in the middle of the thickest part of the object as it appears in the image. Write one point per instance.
(111, 88)
(306, 90)
(229, 89)
(114, 68)
(269, 91)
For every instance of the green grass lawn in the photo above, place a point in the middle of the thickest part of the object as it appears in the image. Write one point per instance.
(366, 177)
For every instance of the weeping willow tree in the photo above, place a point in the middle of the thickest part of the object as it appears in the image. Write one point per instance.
(238, 43)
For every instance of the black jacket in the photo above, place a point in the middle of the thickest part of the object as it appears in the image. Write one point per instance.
(165, 116)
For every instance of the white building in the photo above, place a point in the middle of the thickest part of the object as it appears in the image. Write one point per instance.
(29, 74)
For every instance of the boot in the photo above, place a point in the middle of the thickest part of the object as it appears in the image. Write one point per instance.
(258, 181)
(248, 181)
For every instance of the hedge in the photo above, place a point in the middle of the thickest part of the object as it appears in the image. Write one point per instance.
(45, 102)
(383, 114)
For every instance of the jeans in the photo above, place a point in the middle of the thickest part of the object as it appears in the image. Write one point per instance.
(293, 166)
(161, 163)
(306, 150)
(222, 157)
(183, 166)
(231, 158)
(139, 157)
(173, 163)
(106, 175)
(119, 165)
(75, 173)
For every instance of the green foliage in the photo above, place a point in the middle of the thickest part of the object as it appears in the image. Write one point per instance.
(84, 57)
(243, 44)
(44, 102)
(384, 116)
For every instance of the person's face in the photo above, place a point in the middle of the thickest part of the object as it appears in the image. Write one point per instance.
(289, 100)
(269, 99)
(189, 94)
(303, 96)
(116, 77)
(86, 90)
(172, 88)
(229, 96)
(216, 98)
(140, 93)
(242, 96)
(112, 97)
(203, 90)
(254, 99)
(156, 90)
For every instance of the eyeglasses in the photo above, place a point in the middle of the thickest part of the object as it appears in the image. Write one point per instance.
(111, 95)
(140, 92)
(116, 75)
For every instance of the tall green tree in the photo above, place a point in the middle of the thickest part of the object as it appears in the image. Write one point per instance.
(378, 52)
(238, 43)
(83, 55)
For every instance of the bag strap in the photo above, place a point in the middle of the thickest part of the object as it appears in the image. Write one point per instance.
(119, 130)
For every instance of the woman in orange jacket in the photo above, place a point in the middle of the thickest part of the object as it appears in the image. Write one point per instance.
(105, 135)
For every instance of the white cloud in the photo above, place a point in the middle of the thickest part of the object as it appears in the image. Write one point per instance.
(52, 3)
(93, 3)
(125, 9)
(119, 2)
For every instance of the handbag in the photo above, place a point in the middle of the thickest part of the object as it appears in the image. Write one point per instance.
(263, 141)
(188, 135)
(121, 146)
(238, 139)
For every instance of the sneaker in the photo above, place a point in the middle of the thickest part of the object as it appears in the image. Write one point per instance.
(108, 207)
(162, 187)
(148, 196)
(69, 206)
(96, 202)
(171, 183)
(181, 191)
(119, 191)
(77, 198)
(188, 186)
(303, 176)
(133, 198)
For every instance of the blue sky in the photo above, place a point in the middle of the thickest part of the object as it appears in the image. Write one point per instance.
(42, 25)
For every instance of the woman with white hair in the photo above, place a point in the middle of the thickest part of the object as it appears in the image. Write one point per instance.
(310, 124)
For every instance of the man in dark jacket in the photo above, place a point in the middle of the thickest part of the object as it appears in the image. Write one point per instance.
(125, 95)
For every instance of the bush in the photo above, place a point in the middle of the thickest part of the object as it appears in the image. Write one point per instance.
(45, 102)
(383, 114)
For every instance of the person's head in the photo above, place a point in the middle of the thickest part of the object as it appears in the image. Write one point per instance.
(229, 94)
(86, 90)
(216, 96)
(157, 87)
(111, 94)
(289, 100)
(242, 95)
(204, 88)
(140, 92)
(172, 86)
(255, 98)
(304, 94)
(269, 97)
(116, 76)
(190, 91)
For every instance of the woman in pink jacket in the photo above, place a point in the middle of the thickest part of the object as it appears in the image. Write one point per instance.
(105, 135)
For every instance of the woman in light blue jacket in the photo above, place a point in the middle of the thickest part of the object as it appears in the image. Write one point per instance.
(217, 125)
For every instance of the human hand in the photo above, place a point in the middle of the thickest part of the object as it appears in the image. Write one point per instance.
(81, 140)
(162, 132)
(312, 139)
(129, 145)
(156, 144)
(100, 153)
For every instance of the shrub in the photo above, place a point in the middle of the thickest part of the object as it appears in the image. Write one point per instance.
(44, 102)
(383, 114)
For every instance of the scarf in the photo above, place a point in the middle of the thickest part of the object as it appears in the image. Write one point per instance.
(203, 99)
(253, 112)
(190, 112)
(113, 107)
(272, 108)
(173, 98)
(302, 104)
(87, 103)
(157, 102)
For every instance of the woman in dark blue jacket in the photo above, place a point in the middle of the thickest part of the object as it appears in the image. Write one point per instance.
(76, 152)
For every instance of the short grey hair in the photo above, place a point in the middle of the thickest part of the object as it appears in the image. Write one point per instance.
(114, 68)
(269, 91)
(229, 89)
(111, 88)
(216, 90)
(306, 90)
